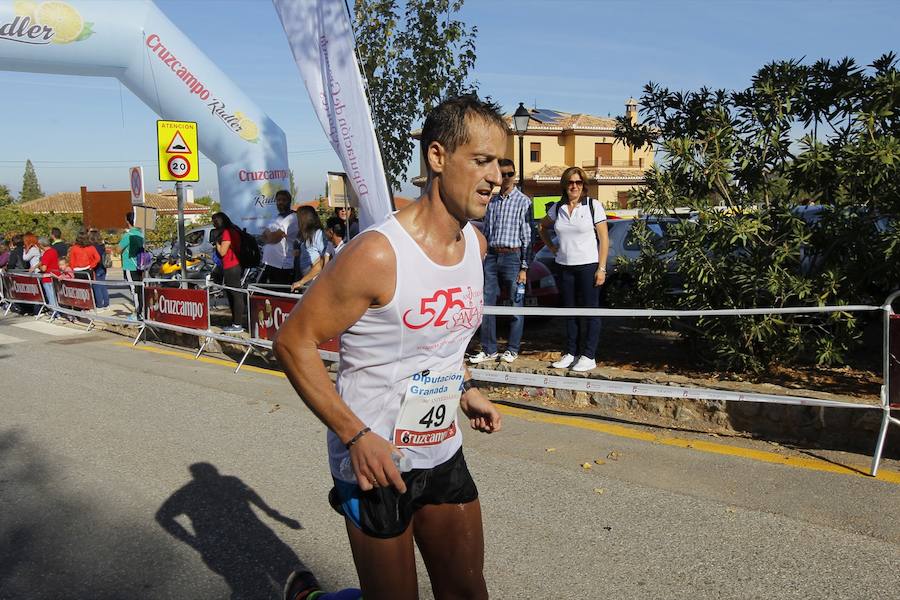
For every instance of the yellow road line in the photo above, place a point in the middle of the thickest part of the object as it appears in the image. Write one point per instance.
(206, 359)
(607, 428)
(699, 445)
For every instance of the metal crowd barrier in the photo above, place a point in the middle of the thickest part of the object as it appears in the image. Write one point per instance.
(264, 303)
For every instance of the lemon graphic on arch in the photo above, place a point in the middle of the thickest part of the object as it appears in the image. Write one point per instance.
(249, 130)
(25, 8)
(66, 22)
(269, 188)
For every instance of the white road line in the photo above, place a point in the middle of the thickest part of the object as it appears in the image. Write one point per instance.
(49, 328)
(8, 339)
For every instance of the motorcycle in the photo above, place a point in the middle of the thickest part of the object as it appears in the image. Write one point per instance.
(198, 268)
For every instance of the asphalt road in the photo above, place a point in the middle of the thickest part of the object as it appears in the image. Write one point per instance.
(142, 473)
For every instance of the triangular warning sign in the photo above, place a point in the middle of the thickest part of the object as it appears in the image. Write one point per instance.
(178, 145)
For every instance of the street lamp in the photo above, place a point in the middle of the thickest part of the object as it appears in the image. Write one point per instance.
(520, 123)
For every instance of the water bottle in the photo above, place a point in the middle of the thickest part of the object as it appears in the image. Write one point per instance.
(401, 461)
(520, 292)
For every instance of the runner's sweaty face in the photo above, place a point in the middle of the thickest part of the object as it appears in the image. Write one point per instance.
(470, 173)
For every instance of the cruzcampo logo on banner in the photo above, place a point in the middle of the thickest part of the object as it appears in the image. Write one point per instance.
(179, 158)
(49, 22)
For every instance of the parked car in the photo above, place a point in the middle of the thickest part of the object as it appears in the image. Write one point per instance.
(623, 242)
(196, 240)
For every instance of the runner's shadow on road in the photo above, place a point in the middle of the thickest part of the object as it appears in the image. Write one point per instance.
(230, 538)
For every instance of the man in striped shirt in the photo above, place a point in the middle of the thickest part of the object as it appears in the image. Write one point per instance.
(507, 227)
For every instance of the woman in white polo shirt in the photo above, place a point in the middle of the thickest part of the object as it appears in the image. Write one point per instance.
(581, 249)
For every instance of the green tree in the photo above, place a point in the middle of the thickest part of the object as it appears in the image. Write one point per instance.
(5, 197)
(411, 63)
(31, 189)
(730, 157)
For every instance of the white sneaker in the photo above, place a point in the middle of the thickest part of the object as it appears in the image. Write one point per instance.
(564, 363)
(584, 364)
(509, 356)
(482, 357)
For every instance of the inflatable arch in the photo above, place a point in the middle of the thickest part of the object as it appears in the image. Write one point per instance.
(134, 42)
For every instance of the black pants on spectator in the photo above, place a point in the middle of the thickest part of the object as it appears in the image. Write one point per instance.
(275, 275)
(137, 292)
(235, 299)
(578, 291)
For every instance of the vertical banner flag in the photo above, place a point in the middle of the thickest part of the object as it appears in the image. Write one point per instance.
(321, 39)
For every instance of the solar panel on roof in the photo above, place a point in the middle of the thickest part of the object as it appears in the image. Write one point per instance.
(545, 115)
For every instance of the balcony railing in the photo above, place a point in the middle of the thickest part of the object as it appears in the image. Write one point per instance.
(637, 163)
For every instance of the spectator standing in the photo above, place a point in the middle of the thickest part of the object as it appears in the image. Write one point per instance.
(228, 246)
(310, 247)
(17, 263)
(62, 248)
(334, 233)
(17, 251)
(83, 256)
(48, 264)
(507, 228)
(31, 252)
(130, 245)
(65, 271)
(279, 236)
(347, 215)
(101, 292)
(581, 250)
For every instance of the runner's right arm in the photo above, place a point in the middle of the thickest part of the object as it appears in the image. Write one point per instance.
(363, 276)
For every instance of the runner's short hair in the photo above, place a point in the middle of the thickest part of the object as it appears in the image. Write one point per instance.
(506, 162)
(284, 193)
(129, 216)
(447, 123)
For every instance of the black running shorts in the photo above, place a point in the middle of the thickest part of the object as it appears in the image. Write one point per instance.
(384, 513)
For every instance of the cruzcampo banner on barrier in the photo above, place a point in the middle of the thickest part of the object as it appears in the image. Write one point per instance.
(268, 314)
(176, 306)
(135, 42)
(75, 293)
(321, 39)
(23, 288)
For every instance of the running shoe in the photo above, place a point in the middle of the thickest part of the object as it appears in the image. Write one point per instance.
(482, 357)
(509, 356)
(300, 585)
(564, 363)
(233, 329)
(584, 364)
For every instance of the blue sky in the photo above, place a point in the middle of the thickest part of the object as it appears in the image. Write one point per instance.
(570, 55)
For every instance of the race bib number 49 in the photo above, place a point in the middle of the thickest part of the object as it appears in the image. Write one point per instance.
(428, 413)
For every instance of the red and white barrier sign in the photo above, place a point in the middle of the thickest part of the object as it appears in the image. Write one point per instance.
(268, 313)
(176, 306)
(75, 293)
(24, 288)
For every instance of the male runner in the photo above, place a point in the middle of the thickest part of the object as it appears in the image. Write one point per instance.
(406, 298)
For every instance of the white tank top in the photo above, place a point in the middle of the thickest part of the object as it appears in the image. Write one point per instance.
(427, 324)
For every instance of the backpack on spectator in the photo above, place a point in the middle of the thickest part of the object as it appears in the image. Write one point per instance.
(107, 260)
(249, 254)
(143, 259)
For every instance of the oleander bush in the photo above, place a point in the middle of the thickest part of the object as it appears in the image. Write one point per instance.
(794, 184)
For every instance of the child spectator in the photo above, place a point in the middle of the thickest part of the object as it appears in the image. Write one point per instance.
(65, 271)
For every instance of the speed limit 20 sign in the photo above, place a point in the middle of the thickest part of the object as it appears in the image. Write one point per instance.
(178, 155)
